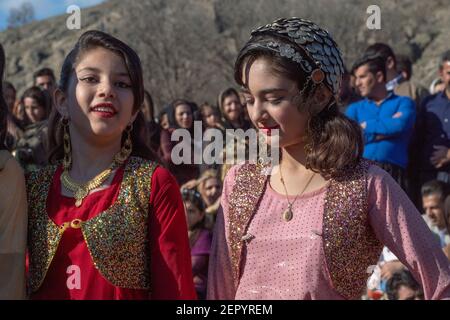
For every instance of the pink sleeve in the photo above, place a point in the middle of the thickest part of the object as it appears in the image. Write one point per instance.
(220, 277)
(400, 227)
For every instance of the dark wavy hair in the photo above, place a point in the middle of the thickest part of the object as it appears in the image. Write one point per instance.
(335, 142)
(3, 106)
(88, 41)
(382, 50)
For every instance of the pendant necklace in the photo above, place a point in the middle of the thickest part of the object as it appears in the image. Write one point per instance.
(288, 214)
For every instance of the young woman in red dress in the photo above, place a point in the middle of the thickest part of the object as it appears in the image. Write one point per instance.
(105, 220)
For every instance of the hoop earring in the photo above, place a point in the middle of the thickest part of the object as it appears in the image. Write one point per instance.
(127, 147)
(67, 160)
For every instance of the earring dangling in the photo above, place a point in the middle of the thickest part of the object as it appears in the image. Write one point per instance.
(127, 147)
(67, 161)
(308, 148)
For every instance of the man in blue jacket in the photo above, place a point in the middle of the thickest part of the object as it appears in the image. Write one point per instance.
(387, 120)
(433, 130)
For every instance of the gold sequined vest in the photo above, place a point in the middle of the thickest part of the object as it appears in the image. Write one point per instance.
(349, 242)
(117, 238)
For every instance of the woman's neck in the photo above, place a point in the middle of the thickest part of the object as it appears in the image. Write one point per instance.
(292, 177)
(89, 158)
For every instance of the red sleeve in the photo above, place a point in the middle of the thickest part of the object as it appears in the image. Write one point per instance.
(171, 256)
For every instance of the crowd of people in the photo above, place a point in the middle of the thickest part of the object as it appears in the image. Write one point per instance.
(104, 193)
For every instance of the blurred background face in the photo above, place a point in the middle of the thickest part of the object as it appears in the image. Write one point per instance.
(33, 110)
(232, 107)
(365, 81)
(46, 83)
(433, 207)
(10, 98)
(211, 190)
(406, 293)
(445, 75)
(183, 116)
(210, 118)
(193, 214)
(164, 121)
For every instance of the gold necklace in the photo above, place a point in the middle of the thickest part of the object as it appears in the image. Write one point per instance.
(81, 191)
(288, 214)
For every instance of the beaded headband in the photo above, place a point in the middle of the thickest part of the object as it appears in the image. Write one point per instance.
(316, 43)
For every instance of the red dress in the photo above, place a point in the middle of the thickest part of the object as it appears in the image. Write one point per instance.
(72, 274)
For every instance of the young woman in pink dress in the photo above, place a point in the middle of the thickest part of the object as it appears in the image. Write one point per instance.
(315, 225)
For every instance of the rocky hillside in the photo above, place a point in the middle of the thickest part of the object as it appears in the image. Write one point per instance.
(188, 47)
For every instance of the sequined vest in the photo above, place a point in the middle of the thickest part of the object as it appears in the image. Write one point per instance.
(349, 242)
(116, 238)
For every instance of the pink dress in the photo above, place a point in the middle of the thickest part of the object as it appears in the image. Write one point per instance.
(285, 260)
